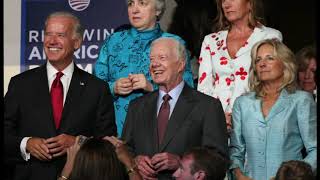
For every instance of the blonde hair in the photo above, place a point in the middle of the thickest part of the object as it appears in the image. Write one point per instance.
(255, 15)
(283, 54)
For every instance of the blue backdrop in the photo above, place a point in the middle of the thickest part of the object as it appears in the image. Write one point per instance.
(99, 18)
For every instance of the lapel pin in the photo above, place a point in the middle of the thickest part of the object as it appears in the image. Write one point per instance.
(81, 83)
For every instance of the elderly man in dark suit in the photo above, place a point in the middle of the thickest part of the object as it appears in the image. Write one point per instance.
(162, 125)
(46, 107)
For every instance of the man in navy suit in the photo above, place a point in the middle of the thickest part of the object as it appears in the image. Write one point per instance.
(192, 119)
(37, 134)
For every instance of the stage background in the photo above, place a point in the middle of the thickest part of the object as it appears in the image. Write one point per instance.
(296, 21)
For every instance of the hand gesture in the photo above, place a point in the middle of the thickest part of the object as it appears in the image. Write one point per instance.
(71, 154)
(145, 167)
(165, 161)
(37, 147)
(58, 145)
(139, 81)
(123, 86)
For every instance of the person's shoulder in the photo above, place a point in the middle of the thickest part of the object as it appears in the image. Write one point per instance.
(31, 73)
(143, 99)
(120, 34)
(246, 97)
(271, 32)
(300, 95)
(203, 97)
(94, 81)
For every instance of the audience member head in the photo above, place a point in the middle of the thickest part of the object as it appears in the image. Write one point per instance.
(307, 65)
(63, 35)
(143, 14)
(201, 163)
(294, 170)
(167, 62)
(97, 160)
(272, 63)
(231, 11)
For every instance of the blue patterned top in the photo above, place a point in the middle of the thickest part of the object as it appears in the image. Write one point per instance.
(280, 136)
(127, 52)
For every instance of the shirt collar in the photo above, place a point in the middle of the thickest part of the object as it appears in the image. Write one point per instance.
(67, 72)
(174, 93)
(147, 34)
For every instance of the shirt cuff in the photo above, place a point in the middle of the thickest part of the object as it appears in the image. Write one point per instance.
(23, 149)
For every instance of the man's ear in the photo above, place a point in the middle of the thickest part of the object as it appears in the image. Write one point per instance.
(182, 64)
(199, 175)
(77, 43)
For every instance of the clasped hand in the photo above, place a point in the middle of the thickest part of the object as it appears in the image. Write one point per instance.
(46, 149)
(125, 86)
(149, 167)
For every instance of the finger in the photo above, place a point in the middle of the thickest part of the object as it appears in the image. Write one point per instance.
(125, 85)
(56, 150)
(51, 140)
(41, 154)
(42, 149)
(60, 153)
(53, 145)
(146, 170)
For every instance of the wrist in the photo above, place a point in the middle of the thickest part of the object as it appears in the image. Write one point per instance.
(131, 169)
(62, 177)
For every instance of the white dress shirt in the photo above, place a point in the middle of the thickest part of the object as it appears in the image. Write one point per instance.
(174, 94)
(51, 74)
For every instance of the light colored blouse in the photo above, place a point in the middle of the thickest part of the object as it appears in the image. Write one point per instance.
(225, 78)
(289, 126)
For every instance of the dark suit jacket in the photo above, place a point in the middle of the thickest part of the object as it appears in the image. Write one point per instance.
(88, 110)
(197, 120)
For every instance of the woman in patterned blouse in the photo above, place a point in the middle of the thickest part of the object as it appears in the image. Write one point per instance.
(225, 55)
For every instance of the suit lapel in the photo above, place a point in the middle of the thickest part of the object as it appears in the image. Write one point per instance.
(150, 116)
(257, 34)
(221, 43)
(280, 105)
(76, 87)
(44, 99)
(181, 111)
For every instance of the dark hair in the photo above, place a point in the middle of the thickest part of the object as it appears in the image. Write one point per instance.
(192, 21)
(97, 160)
(295, 170)
(208, 160)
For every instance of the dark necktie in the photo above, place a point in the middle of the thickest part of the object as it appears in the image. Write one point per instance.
(57, 99)
(163, 117)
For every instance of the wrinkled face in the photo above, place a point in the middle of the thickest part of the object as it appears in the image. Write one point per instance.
(184, 170)
(142, 14)
(235, 10)
(59, 40)
(165, 67)
(307, 77)
(269, 68)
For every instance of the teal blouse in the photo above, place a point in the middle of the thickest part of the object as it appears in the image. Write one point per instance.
(127, 52)
(290, 126)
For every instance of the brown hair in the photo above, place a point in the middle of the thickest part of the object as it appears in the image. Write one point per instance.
(283, 54)
(304, 56)
(97, 160)
(208, 160)
(255, 16)
(294, 170)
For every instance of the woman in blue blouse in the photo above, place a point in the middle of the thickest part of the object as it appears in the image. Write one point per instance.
(124, 57)
(275, 121)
